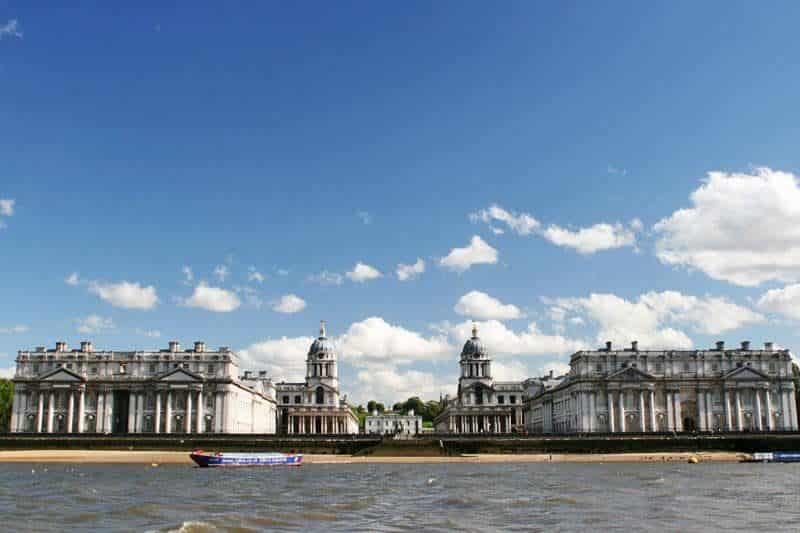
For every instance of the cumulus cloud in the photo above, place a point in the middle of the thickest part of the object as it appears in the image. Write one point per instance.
(477, 252)
(559, 368)
(10, 29)
(213, 299)
(363, 272)
(510, 371)
(188, 275)
(7, 207)
(409, 272)
(125, 294)
(8, 372)
(13, 329)
(221, 272)
(389, 385)
(594, 238)
(502, 340)
(740, 228)
(284, 358)
(376, 339)
(255, 275)
(477, 304)
(327, 278)
(652, 319)
(784, 301)
(519, 223)
(73, 279)
(94, 324)
(290, 303)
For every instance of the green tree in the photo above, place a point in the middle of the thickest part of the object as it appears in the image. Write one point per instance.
(6, 403)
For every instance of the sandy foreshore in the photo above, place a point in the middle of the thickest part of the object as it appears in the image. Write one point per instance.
(168, 457)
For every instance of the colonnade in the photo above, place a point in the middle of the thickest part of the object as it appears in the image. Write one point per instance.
(306, 424)
(499, 423)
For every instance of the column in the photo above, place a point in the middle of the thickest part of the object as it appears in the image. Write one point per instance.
(168, 413)
(200, 408)
(218, 413)
(100, 413)
(157, 416)
(622, 411)
(770, 420)
(670, 412)
(653, 423)
(727, 406)
(709, 411)
(611, 412)
(188, 411)
(508, 423)
(678, 418)
(40, 412)
(738, 400)
(15, 415)
(70, 410)
(757, 398)
(642, 413)
(131, 412)
(140, 412)
(592, 412)
(109, 403)
(51, 405)
(792, 410)
(82, 411)
(701, 411)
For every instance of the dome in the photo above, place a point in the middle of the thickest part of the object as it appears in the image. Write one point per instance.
(322, 347)
(474, 347)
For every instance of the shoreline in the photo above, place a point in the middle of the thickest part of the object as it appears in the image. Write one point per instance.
(182, 458)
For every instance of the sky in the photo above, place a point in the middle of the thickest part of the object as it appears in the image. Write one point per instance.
(562, 173)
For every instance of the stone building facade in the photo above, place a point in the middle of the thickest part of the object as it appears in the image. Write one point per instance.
(482, 405)
(314, 406)
(168, 391)
(393, 424)
(632, 390)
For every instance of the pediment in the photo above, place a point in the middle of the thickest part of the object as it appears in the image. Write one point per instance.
(62, 375)
(180, 375)
(745, 373)
(631, 374)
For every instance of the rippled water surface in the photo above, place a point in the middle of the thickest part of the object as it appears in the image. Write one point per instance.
(444, 497)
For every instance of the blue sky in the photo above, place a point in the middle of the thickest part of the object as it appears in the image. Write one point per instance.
(293, 140)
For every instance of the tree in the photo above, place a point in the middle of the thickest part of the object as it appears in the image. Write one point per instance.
(6, 404)
(372, 405)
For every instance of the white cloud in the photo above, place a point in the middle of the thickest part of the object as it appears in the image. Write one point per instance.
(188, 275)
(73, 279)
(14, 329)
(284, 358)
(250, 295)
(477, 304)
(222, 272)
(409, 272)
(327, 278)
(559, 368)
(8, 372)
(651, 319)
(365, 217)
(255, 275)
(389, 385)
(376, 339)
(125, 294)
(740, 228)
(521, 224)
(213, 299)
(784, 301)
(500, 340)
(363, 272)
(594, 238)
(510, 371)
(94, 324)
(477, 252)
(7, 207)
(152, 333)
(290, 303)
(283, 272)
(10, 29)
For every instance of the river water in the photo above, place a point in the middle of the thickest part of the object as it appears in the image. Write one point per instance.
(439, 497)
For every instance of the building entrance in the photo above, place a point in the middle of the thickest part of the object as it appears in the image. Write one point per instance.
(120, 411)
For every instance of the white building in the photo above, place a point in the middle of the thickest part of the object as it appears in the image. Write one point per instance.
(482, 405)
(166, 391)
(314, 406)
(393, 424)
(630, 390)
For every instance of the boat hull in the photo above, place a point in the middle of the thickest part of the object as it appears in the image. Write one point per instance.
(774, 457)
(207, 460)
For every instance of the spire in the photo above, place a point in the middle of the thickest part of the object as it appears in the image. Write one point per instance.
(474, 329)
(322, 328)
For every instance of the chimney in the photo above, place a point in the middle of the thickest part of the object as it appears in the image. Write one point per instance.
(174, 346)
(247, 374)
(86, 347)
(635, 346)
(608, 346)
(199, 347)
(61, 346)
(720, 346)
(262, 374)
(551, 374)
(768, 346)
(745, 345)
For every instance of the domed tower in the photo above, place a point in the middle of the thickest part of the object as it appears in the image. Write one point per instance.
(322, 375)
(476, 365)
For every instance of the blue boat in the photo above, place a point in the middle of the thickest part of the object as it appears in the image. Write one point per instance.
(207, 459)
(774, 457)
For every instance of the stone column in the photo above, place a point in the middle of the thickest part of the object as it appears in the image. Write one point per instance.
(592, 412)
(678, 418)
(757, 398)
(15, 405)
(611, 427)
(701, 411)
(100, 412)
(109, 412)
(188, 411)
(670, 411)
(738, 404)
(51, 405)
(709, 411)
(622, 411)
(168, 413)
(200, 408)
(82, 411)
(792, 410)
(70, 410)
(727, 406)
(653, 423)
(157, 416)
(642, 413)
(40, 412)
(132, 412)
(770, 420)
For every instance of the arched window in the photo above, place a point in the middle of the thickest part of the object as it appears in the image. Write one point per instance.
(320, 395)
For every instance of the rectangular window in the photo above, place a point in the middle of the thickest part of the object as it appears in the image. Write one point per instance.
(211, 369)
(285, 399)
(93, 370)
(500, 400)
(35, 369)
(69, 366)
(153, 368)
(297, 399)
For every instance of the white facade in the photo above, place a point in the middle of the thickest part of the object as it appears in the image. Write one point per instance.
(482, 404)
(166, 391)
(666, 390)
(393, 424)
(314, 406)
